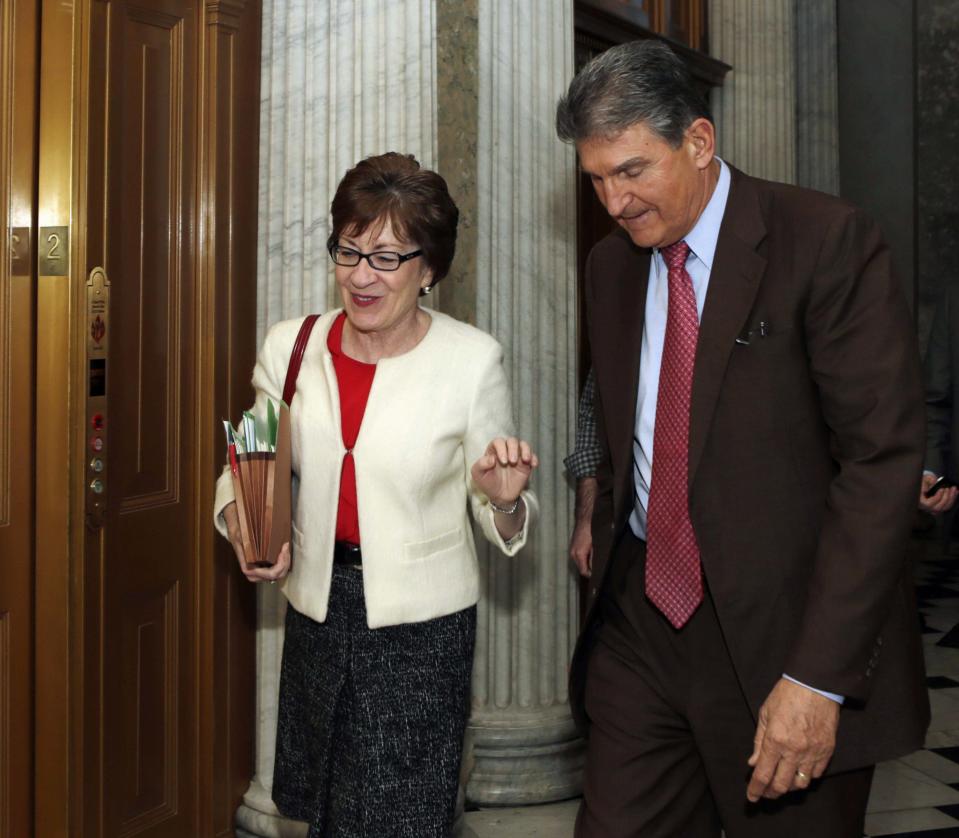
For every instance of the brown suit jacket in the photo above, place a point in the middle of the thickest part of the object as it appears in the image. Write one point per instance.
(805, 453)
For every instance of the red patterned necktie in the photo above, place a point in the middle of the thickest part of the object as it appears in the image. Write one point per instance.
(673, 573)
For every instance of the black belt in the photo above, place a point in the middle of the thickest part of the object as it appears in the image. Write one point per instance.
(345, 552)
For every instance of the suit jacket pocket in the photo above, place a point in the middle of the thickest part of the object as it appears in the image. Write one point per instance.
(757, 334)
(414, 551)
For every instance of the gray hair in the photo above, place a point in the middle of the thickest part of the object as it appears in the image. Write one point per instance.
(638, 82)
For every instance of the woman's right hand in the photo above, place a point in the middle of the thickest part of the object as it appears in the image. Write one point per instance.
(270, 573)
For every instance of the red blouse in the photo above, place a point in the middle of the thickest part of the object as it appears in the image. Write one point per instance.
(354, 380)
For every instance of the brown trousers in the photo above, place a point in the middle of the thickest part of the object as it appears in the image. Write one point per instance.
(670, 732)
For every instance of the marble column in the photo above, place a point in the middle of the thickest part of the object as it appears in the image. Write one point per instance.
(817, 95)
(258, 815)
(522, 740)
(341, 80)
(755, 109)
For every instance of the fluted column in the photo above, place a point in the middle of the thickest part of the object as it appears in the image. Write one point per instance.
(755, 109)
(258, 815)
(817, 95)
(341, 80)
(524, 745)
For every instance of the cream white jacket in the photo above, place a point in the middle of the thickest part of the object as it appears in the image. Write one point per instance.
(430, 415)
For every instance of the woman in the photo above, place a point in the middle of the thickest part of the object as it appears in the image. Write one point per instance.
(401, 415)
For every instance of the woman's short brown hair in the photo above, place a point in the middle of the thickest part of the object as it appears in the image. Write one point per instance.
(416, 201)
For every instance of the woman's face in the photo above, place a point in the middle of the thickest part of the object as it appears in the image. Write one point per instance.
(376, 300)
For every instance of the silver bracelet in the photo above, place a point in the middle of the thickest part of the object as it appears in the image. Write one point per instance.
(511, 510)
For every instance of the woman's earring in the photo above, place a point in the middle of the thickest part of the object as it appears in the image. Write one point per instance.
(428, 289)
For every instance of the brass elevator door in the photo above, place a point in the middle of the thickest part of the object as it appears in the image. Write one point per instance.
(18, 127)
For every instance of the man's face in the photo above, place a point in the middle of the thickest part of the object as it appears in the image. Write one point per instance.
(654, 191)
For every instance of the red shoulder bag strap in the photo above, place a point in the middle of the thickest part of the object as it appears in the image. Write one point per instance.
(289, 388)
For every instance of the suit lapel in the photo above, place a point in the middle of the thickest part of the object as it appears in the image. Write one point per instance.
(733, 284)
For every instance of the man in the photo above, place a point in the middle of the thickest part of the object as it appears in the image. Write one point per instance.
(941, 397)
(581, 464)
(751, 648)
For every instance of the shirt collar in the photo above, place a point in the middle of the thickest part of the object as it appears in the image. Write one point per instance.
(704, 235)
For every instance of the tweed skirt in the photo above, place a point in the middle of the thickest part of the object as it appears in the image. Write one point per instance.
(371, 721)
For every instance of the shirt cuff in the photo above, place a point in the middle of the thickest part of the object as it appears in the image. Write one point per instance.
(839, 699)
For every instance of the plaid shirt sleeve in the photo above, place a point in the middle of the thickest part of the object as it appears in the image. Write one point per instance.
(584, 459)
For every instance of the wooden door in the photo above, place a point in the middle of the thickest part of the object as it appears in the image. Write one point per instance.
(141, 215)
(146, 181)
(172, 128)
(18, 128)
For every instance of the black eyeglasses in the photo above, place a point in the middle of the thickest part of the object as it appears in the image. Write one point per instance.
(381, 260)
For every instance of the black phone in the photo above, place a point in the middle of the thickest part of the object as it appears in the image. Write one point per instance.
(941, 483)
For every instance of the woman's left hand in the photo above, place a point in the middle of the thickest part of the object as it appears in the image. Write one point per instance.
(504, 469)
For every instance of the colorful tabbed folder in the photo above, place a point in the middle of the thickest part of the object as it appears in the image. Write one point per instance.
(259, 456)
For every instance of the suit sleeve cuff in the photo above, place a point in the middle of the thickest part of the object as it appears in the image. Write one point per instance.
(223, 498)
(518, 541)
(839, 699)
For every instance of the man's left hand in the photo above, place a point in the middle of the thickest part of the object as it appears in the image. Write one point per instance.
(581, 548)
(794, 741)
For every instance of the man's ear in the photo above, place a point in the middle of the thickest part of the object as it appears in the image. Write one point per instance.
(701, 141)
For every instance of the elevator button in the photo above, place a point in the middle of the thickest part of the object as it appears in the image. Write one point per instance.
(97, 421)
(96, 486)
(96, 464)
(97, 443)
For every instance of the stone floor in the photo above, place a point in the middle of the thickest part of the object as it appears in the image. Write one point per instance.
(914, 796)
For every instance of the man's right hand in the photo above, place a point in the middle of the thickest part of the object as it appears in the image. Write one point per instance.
(581, 548)
(941, 501)
(794, 741)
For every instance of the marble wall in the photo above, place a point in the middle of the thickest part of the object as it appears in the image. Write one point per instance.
(457, 115)
(937, 164)
(777, 111)
(755, 109)
(877, 120)
(817, 103)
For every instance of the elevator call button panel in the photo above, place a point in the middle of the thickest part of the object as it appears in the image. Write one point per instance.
(98, 342)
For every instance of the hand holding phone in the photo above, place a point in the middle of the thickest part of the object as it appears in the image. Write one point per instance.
(941, 483)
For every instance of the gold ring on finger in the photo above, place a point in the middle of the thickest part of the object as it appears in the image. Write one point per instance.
(802, 775)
